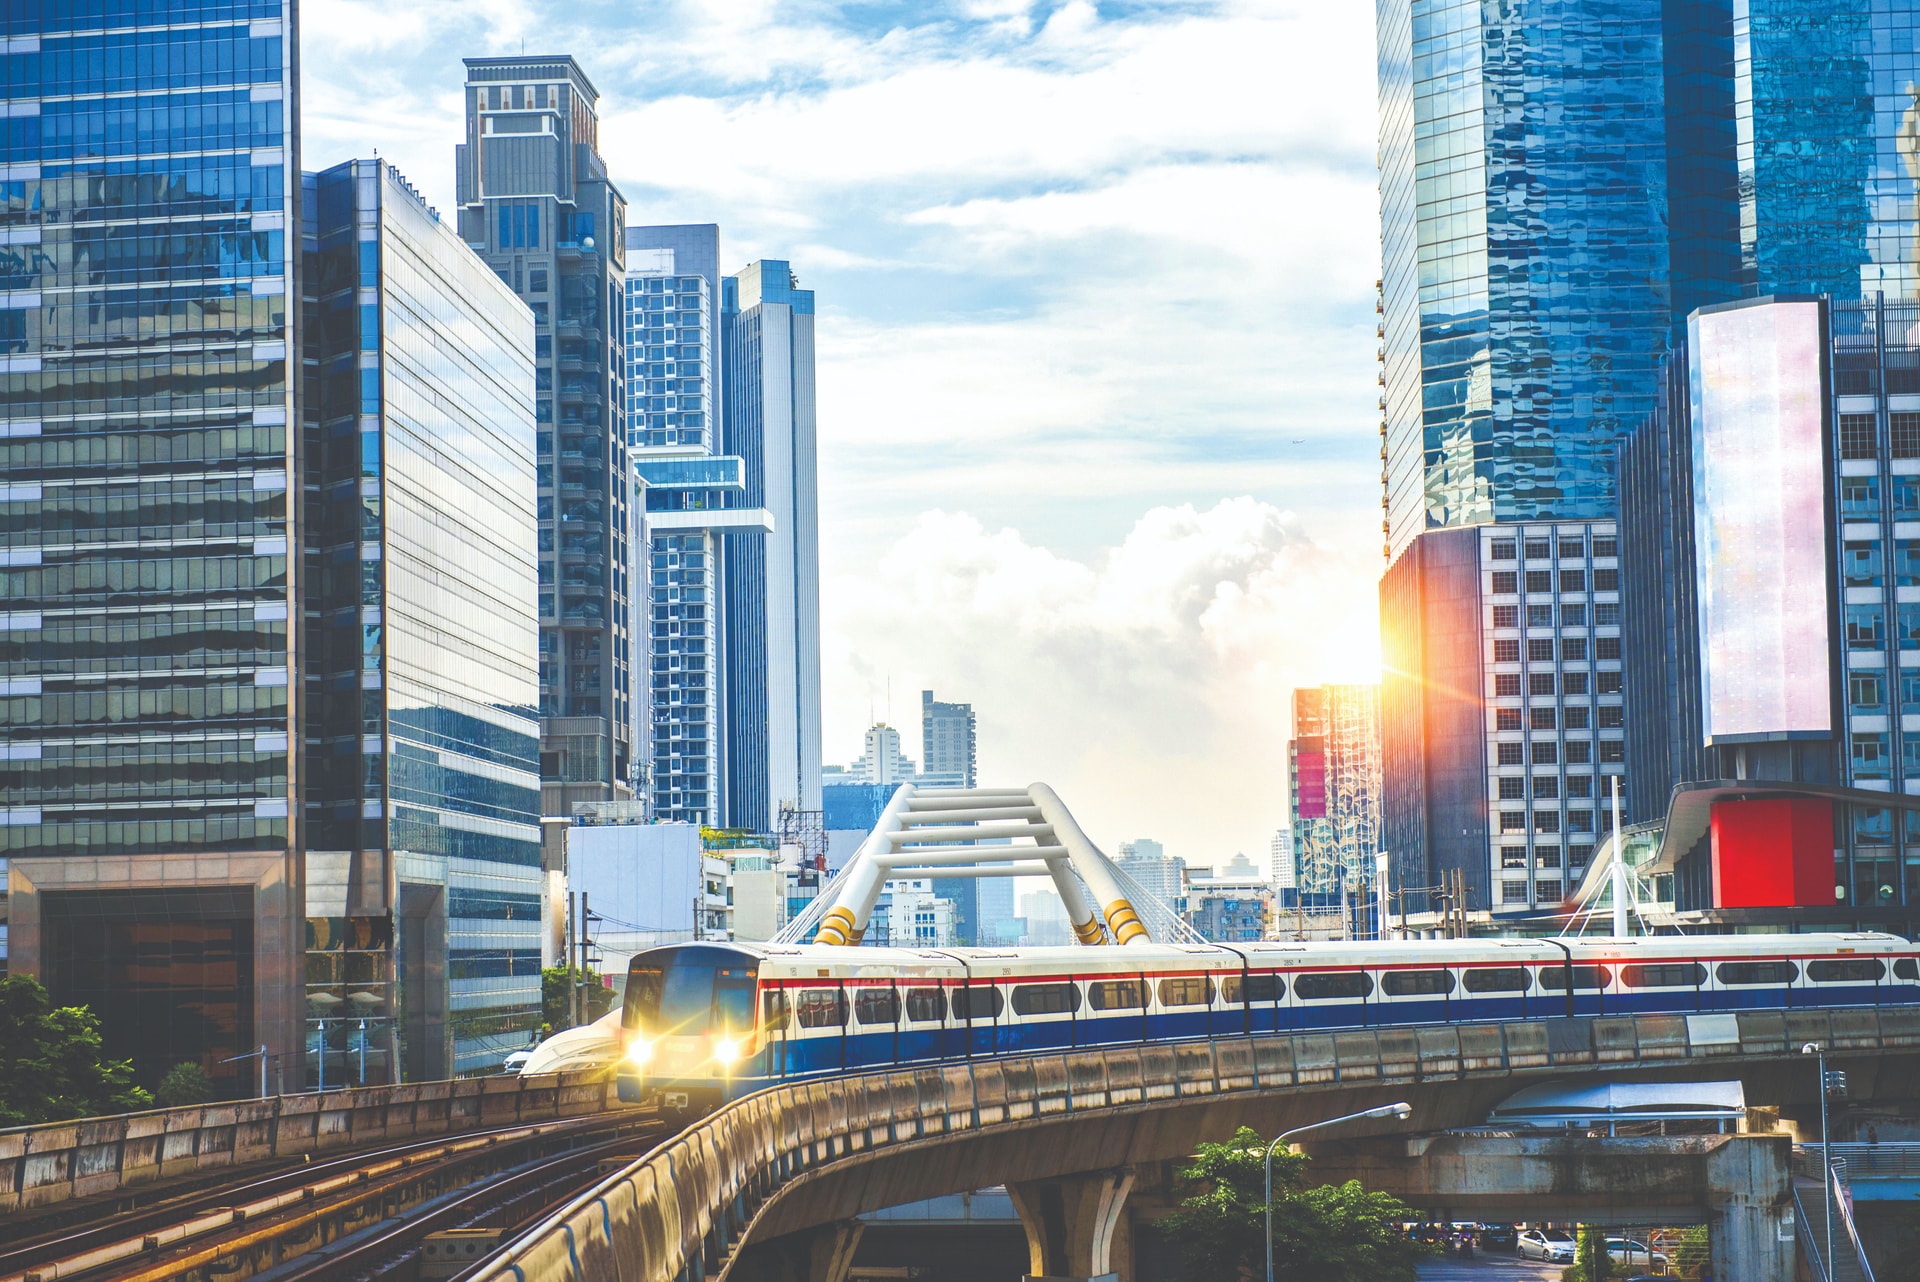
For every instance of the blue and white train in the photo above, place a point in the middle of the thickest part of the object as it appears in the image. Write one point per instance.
(708, 1022)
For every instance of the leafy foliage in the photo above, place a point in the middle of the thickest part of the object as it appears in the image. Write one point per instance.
(51, 1067)
(1591, 1261)
(1691, 1257)
(184, 1084)
(556, 996)
(1332, 1233)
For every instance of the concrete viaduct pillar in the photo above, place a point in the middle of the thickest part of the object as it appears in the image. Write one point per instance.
(1750, 1229)
(1076, 1227)
(823, 1254)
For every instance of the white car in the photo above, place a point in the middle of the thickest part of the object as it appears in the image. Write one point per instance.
(1545, 1244)
(1631, 1253)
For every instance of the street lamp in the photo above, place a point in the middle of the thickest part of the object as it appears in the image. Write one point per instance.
(1401, 1111)
(1834, 1083)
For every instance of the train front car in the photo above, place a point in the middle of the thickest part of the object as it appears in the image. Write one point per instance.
(691, 1039)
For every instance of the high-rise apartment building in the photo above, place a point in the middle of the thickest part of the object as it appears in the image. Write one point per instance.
(422, 785)
(771, 589)
(1280, 859)
(536, 203)
(882, 761)
(1557, 196)
(946, 743)
(149, 707)
(1333, 767)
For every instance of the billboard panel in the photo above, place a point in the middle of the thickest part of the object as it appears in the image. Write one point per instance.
(1310, 764)
(1760, 529)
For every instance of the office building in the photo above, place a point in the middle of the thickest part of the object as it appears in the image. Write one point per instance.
(1771, 517)
(537, 205)
(147, 703)
(882, 761)
(693, 500)
(1333, 767)
(1280, 859)
(1164, 875)
(771, 584)
(422, 790)
(946, 743)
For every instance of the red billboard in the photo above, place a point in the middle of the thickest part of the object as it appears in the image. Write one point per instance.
(1773, 854)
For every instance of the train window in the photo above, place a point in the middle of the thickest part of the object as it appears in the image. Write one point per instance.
(977, 1003)
(1494, 979)
(773, 1010)
(1853, 970)
(1329, 987)
(926, 1005)
(1255, 988)
(876, 1006)
(1186, 990)
(822, 1008)
(1757, 972)
(1555, 977)
(1906, 968)
(1116, 994)
(1045, 999)
(1416, 983)
(1667, 975)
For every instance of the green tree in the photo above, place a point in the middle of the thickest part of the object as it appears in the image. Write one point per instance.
(556, 996)
(1591, 1261)
(184, 1084)
(51, 1067)
(1693, 1254)
(1333, 1233)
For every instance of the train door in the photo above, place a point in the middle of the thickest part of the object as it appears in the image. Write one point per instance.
(774, 1023)
(977, 1008)
(875, 1036)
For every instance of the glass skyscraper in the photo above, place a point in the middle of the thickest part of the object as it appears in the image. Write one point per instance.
(148, 716)
(423, 786)
(537, 204)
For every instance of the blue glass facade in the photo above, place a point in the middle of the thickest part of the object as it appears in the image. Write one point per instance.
(423, 736)
(147, 164)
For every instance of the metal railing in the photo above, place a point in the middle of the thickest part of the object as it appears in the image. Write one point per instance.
(1898, 1160)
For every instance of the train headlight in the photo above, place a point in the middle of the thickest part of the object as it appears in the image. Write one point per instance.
(726, 1050)
(639, 1051)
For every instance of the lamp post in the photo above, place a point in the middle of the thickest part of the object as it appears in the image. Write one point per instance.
(1385, 1110)
(1827, 1085)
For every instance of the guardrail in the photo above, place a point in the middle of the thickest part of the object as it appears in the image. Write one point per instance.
(683, 1210)
(1895, 1160)
(49, 1163)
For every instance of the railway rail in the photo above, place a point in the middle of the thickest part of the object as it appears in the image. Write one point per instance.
(348, 1213)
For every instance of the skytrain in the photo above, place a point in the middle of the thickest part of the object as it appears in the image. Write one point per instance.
(704, 1023)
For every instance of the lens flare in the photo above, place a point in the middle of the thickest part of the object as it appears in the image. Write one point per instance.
(726, 1050)
(639, 1051)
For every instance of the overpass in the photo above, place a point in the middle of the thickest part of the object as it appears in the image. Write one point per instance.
(765, 1188)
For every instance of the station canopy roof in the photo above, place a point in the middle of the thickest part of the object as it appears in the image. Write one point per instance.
(1561, 1103)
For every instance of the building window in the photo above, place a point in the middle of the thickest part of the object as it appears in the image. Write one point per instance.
(1612, 751)
(1539, 616)
(1511, 754)
(1612, 716)
(1549, 856)
(1607, 682)
(1572, 549)
(1573, 616)
(1870, 757)
(1513, 892)
(1546, 753)
(1550, 891)
(1539, 580)
(1542, 718)
(1905, 430)
(1860, 498)
(1502, 550)
(1606, 580)
(1546, 821)
(1506, 616)
(1540, 683)
(1866, 691)
(1906, 563)
(1513, 821)
(1574, 580)
(1866, 627)
(1513, 788)
(1513, 856)
(1579, 785)
(1860, 563)
(1579, 821)
(1540, 650)
(1577, 717)
(1606, 614)
(1907, 617)
(1605, 548)
(1506, 718)
(1506, 652)
(1856, 436)
(1573, 683)
(1539, 549)
(1573, 649)
(1504, 582)
(1605, 648)
(1577, 752)
(1506, 685)
(1546, 787)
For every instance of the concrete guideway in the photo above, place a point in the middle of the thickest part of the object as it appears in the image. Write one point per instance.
(749, 1192)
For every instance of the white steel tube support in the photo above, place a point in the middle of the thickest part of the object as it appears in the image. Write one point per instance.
(846, 921)
(1116, 908)
(1619, 866)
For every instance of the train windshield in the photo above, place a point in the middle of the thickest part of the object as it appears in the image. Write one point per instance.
(690, 989)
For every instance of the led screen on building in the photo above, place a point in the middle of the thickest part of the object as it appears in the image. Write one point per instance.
(1760, 531)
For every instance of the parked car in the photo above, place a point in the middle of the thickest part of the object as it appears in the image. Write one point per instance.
(1497, 1237)
(1635, 1254)
(517, 1060)
(1550, 1245)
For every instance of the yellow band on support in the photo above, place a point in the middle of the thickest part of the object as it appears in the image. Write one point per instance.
(1124, 922)
(837, 928)
(1089, 932)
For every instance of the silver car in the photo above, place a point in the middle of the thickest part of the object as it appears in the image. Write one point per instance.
(1545, 1244)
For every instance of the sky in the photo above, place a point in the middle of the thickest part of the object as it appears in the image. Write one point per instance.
(1096, 351)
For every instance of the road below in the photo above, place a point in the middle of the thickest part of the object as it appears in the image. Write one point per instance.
(1489, 1268)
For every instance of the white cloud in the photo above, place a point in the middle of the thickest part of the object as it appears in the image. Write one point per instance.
(1149, 683)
